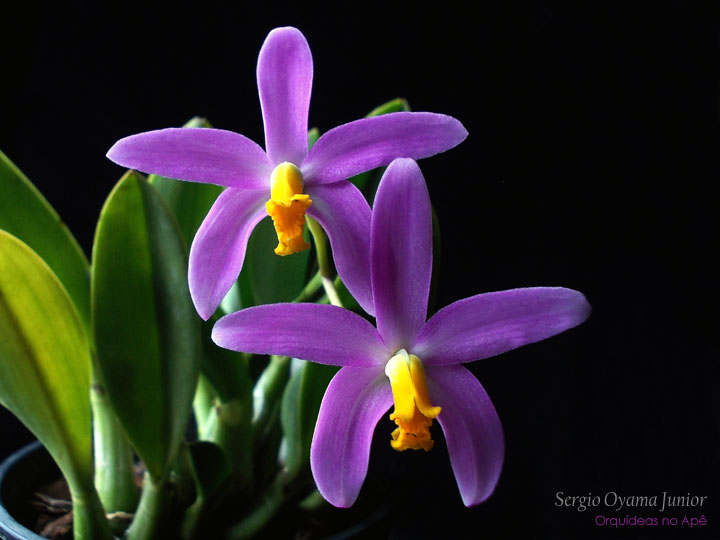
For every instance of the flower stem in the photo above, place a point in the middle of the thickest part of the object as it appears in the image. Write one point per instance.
(310, 289)
(323, 258)
(314, 501)
(150, 514)
(321, 247)
(331, 292)
(266, 395)
(269, 502)
(202, 405)
(228, 426)
(89, 521)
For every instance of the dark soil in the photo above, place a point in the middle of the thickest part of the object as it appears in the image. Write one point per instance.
(54, 511)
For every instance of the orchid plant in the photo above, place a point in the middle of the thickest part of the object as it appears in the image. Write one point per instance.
(211, 371)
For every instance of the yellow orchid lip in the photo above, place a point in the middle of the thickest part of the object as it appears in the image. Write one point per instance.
(413, 412)
(287, 207)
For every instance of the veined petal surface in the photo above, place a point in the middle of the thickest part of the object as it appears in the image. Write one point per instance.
(218, 250)
(345, 215)
(319, 333)
(207, 155)
(368, 143)
(354, 402)
(284, 75)
(401, 253)
(492, 323)
(472, 431)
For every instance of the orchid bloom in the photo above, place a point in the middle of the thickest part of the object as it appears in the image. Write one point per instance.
(405, 360)
(288, 180)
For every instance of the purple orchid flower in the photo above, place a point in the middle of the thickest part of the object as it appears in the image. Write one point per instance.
(420, 360)
(288, 180)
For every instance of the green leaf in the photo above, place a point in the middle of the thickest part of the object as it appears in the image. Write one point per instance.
(347, 299)
(229, 422)
(146, 329)
(267, 394)
(313, 136)
(189, 201)
(300, 407)
(211, 474)
(210, 468)
(227, 371)
(267, 278)
(364, 181)
(394, 105)
(44, 358)
(26, 214)
(45, 374)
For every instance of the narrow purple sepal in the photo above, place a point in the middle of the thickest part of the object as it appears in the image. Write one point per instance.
(488, 324)
(472, 431)
(218, 250)
(211, 156)
(344, 214)
(318, 333)
(354, 402)
(368, 143)
(284, 75)
(401, 253)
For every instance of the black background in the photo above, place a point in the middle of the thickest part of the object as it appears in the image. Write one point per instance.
(591, 162)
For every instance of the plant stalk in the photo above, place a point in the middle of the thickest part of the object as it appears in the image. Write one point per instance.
(114, 474)
(89, 520)
(150, 516)
(268, 391)
(269, 502)
(310, 289)
(324, 263)
(229, 426)
(203, 405)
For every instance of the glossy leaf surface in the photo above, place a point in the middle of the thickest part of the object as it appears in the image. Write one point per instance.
(44, 359)
(267, 278)
(300, 406)
(188, 201)
(146, 329)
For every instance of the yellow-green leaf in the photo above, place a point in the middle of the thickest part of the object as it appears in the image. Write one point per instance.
(44, 359)
(26, 214)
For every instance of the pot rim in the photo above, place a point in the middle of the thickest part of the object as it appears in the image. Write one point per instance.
(8, 524)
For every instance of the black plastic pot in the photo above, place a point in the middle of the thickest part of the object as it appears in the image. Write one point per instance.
(20, 475)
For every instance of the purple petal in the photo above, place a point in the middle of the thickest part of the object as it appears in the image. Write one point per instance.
(284, 74)
(211, 156)
(472, 431)
(319, 333)
(401, 253)
(354, 402)
(368, 143)
(345, 215)
(488, 324)
(218, 250)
